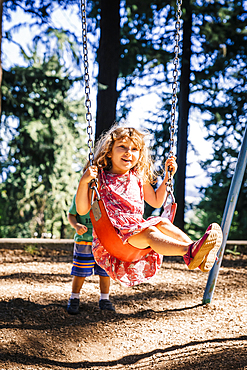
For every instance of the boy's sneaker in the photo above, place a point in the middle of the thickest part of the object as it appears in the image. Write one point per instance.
(73, 306)
(105, 304)
(203, 252)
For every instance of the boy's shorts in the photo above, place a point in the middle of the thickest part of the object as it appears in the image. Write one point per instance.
(83, 261)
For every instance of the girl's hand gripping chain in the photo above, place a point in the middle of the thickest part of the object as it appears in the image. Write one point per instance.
(171, 165)
(90, 174)
(83, 195)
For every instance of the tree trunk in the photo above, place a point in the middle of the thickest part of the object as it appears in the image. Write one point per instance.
(184, 106)
(108, 60)
(1, 70)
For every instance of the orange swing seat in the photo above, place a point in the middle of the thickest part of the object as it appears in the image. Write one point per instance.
(109, 238)
(100, 220)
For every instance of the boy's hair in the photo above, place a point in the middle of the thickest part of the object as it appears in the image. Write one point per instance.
(144, 167)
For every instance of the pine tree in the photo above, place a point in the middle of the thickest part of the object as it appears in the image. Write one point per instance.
(47, 147)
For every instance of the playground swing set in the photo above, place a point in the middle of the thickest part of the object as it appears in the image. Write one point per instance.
(98, 213)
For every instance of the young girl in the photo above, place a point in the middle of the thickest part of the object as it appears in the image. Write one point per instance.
(125, 173)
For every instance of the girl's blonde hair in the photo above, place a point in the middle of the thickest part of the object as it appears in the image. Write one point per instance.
(144, 167)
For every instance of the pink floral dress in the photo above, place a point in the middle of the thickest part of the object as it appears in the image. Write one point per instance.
(124, 200)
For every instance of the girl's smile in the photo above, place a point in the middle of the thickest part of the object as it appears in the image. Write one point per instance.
(124, 156)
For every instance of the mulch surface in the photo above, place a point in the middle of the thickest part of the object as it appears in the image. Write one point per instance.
(161, 324)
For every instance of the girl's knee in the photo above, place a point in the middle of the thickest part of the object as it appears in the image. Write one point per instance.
(165, 222)
(151, 231)
(165, 226)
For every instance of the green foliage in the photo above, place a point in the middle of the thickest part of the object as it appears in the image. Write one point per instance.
(211, 207)
(38, 20)
(31, 249)
(47, 148)
(213, 204)
(41, 10)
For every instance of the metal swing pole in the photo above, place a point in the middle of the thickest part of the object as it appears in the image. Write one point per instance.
(227, 217)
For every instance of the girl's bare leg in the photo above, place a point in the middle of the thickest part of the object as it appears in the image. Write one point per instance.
(167, 228)
(159, 242)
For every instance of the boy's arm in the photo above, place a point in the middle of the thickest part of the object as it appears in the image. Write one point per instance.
(80, 229)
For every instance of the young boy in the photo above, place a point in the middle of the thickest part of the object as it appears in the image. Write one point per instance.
(84, 263)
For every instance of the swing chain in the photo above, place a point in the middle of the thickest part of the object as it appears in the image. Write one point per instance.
(169, 185)
(86, 79)
(93, 186)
